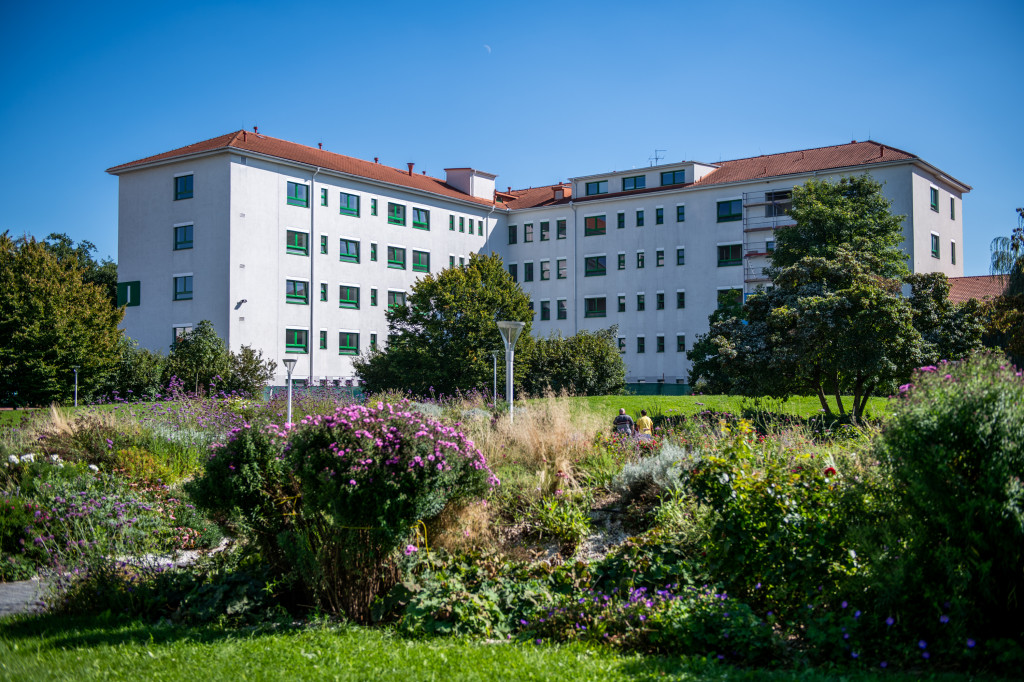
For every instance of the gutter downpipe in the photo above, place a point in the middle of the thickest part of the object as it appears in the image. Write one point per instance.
(575, 279)
(313, 251)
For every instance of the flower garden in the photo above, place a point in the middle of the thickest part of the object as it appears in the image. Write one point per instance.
(740, 540)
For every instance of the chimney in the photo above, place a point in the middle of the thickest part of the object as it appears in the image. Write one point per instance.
(243, 136)
(320, 145)
(510, 189)
(410, 167)
(376, 160)
(559, 192)
(256, 129)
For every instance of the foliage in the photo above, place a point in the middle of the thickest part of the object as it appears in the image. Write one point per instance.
(441, 340)
(249, 372)
(566, 518)
(955, 454)
(200, 358)
(21, 520)
(137, 373)
(102, 273)
(1008, 257)
(1004, 325)
(662, 472)
(587, 363)
(51, 320)
(949, 331)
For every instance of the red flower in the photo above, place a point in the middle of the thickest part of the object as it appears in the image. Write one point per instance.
(830, 471)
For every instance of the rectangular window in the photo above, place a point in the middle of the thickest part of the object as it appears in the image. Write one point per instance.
(680, 214)
(594, 307)
(373, 207)
(348, 204)
(634, 182)
(348, 297)
(513, 272)
(373, 341)
(462, 261)
(640, 344)
(545, 231)
(730, 211)
(183, 187)
(935, 246)
(183, 288)
(396, 257)
(680, 343)
(513, 231)
(622, 344)
(545, 270)
(527, 272)
(480, 228)
(373, 297)
(323, 202)
(298, 194)
(396, 298)
(296, 292)
(420, 261)
(729, 298)
(561, 268)
(562, 312)
(396, 214)
(323, 338)
(622, 261)
(178, 334)
(348, 250)
(730, 254)
(182, 237)
(560, 229)
(659, 300)
(659, 258)
(952, 253)
(296, 341)
(769, 246)
(348, 343)
(128, 293)
(934, 199)
(659, 344)
(673, 177)
(545, 310)
(323, 243)
(680, 256)
(297, 243)
(421, 218)
(462, 224)
(595, 266)
(659, 216)
(451, 261)
(641, 302)
(527, 232)
(373, 251)
(622, 303)
(451, 223)
(680, 299)
(952, 208)
(599, 187)
(778, 203)
(470, 226)
(620, 219)
(640, 218)
(593, 225)
(639, 259)
(323, 291)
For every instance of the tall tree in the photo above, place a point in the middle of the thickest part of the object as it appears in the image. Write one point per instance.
(1008, 257)
(102, 273)
(443, 337)
(586, 363)
(51, 321)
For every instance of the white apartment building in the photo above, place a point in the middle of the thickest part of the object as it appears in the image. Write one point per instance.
(298, 251)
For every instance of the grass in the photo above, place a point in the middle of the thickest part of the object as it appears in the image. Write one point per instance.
(46, 648)
(803, 406)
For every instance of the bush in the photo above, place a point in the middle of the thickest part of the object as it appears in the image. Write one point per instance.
(587, 363)
(955, 453)
(654, 475)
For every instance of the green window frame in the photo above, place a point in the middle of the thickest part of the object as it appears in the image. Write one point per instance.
(545, 310)
(323, 201)
(594, 226)
(462, 224)
(641, 344)
(641, 302)
(729, 297)
(128, 293)
(680, 214)
(622, 303)
(659, 344)
(348, 343)
(470, 226)
(396, 214)
(730, 254)
(640, 259)
(348, 297)
(323, 291)
(421, 261)
(659, 216)
(348, 204)
(680, 300)
(513, 272)
(183, 237)
(373, 341)
(621, 220)
(640, 218)
(296, 291)
(373, 297)
(527, 233)
(560, 229)
(545, 231)
(634, 182)
(178, 335)
(296, 341)
(348, 250)
(680, 343)
(297, 243)
(659, 258)
(545, 270)
(323, 339)
(396, 257)
(595, 266)
(622, 261)
(396, 298)
(451, 261)
(298, 194)
(659, 300)
(597, 187)
(373, 251)
(952, 208)
(560, 268)
(730, 211)
(952, 253)
(513, 234)
(934, 199)
(323, 243)
(183, 288)
(595, 307)
(528, 272)
(373, 207)
(622, 344)
(480, 228)
(451, 223)
(681, 256)
(420, 218)
(182, 187)
(935, 246)
(561, 309)
(673, 177)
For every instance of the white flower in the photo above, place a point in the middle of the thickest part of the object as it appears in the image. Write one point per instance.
(13, 459)
(54, 458)
(30, 457)
(93, 468)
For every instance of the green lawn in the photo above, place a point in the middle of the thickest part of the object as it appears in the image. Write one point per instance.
(804, 406)
(47, 648)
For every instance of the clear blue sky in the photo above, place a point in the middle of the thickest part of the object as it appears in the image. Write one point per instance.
(536, 92)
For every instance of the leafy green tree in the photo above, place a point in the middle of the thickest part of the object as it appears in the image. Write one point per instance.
(950, 331)
(249, 372)
(102, 273)
(1008, 257)
(199, 358)
(1004, 317)
(442, 338)
(587, 363)
(138, 371)
(51, 320)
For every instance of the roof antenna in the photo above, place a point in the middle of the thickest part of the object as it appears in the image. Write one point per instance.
(656, 158)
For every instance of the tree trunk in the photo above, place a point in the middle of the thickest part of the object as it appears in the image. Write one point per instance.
(821, 391)
(857, 386)
(839, 397)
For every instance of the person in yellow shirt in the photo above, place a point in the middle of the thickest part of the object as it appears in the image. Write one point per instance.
(644, 425)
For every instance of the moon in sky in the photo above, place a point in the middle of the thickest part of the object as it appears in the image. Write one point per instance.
(488, 48)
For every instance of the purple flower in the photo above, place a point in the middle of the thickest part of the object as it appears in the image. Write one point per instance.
(970, 643)
(926, 655)
(922, 644)
(884, 664)
(411, 549)
(889, 621)
(943, 618)
(844, 605)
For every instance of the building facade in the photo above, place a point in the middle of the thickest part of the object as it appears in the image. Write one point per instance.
(298, 251)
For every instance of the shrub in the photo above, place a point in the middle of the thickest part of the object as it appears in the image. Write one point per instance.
(21, 521)
(654, 475)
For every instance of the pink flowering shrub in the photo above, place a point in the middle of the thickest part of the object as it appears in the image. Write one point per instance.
(338, 496)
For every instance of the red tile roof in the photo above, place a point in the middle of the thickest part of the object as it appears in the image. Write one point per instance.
(244, 141)
(536, 196)
(980, 288)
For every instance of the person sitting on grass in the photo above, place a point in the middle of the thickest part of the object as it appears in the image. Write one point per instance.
(644, 425)
(623, 424)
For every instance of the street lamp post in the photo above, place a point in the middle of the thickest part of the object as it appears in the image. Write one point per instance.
(494, 393)
(76, 384)
(510, 332)
(289, 364)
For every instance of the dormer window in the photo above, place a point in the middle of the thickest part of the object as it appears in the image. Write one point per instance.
(673, 177)
(635, 182)
(599, 187)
